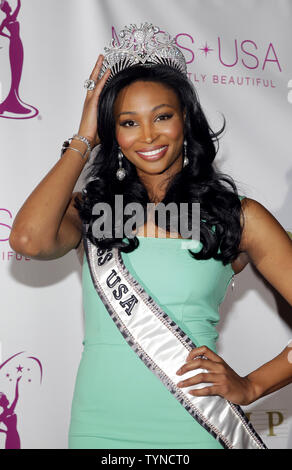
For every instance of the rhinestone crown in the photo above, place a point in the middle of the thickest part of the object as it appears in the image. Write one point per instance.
(146, 45)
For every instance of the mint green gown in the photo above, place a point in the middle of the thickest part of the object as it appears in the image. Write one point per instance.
(118, 402)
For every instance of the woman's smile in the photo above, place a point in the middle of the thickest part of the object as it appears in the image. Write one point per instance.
(150, 127)
(153, 154)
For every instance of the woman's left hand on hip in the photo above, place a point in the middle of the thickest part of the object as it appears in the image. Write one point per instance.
(223, 380)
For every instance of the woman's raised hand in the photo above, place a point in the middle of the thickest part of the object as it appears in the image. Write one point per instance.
(88, 124)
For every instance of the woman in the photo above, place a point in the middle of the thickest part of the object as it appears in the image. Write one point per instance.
(156, 146)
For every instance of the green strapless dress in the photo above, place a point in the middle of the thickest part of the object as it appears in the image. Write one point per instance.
(118, 402)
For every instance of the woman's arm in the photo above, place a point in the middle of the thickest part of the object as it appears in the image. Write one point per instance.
(270, 251)
(2, 26)
(16, 11)
(13, 405)
(48, 226)
(269, 248)
(43, 228)
(272, 376)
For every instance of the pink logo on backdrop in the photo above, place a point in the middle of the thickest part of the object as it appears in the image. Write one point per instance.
(228, 62)
(235, 63)
(4, 237)
(13, 107)
(23, 369)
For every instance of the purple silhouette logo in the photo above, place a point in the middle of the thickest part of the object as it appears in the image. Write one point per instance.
(6, 227)
(11, 372)
(9, 418)
(13, 107)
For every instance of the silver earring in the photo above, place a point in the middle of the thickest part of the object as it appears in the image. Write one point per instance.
(121, 172)
(186, 160)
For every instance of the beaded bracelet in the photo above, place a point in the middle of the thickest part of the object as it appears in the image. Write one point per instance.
(76, 150)
(83, 139)
(68, 142)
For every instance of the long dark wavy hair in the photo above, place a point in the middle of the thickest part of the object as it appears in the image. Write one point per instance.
(199, 182)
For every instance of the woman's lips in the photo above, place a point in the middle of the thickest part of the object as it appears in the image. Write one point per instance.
(152, 155)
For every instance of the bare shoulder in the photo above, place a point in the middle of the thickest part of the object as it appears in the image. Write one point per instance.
(267, 245)
(260, 225)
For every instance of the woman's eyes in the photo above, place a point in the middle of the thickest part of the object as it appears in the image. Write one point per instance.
(164, 117)
(131, 123)
(127, 123)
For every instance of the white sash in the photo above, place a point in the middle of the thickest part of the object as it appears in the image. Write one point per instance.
(163, 347)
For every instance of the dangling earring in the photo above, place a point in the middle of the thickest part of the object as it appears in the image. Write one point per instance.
(121, 172)
(186, 160)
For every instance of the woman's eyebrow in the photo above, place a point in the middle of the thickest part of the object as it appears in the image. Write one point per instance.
(152, 110)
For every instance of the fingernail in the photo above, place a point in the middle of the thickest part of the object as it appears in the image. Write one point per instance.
(178, 371)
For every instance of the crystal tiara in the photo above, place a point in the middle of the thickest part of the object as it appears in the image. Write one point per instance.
(146, 45)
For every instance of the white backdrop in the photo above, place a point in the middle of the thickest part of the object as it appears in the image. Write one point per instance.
(240, 59)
